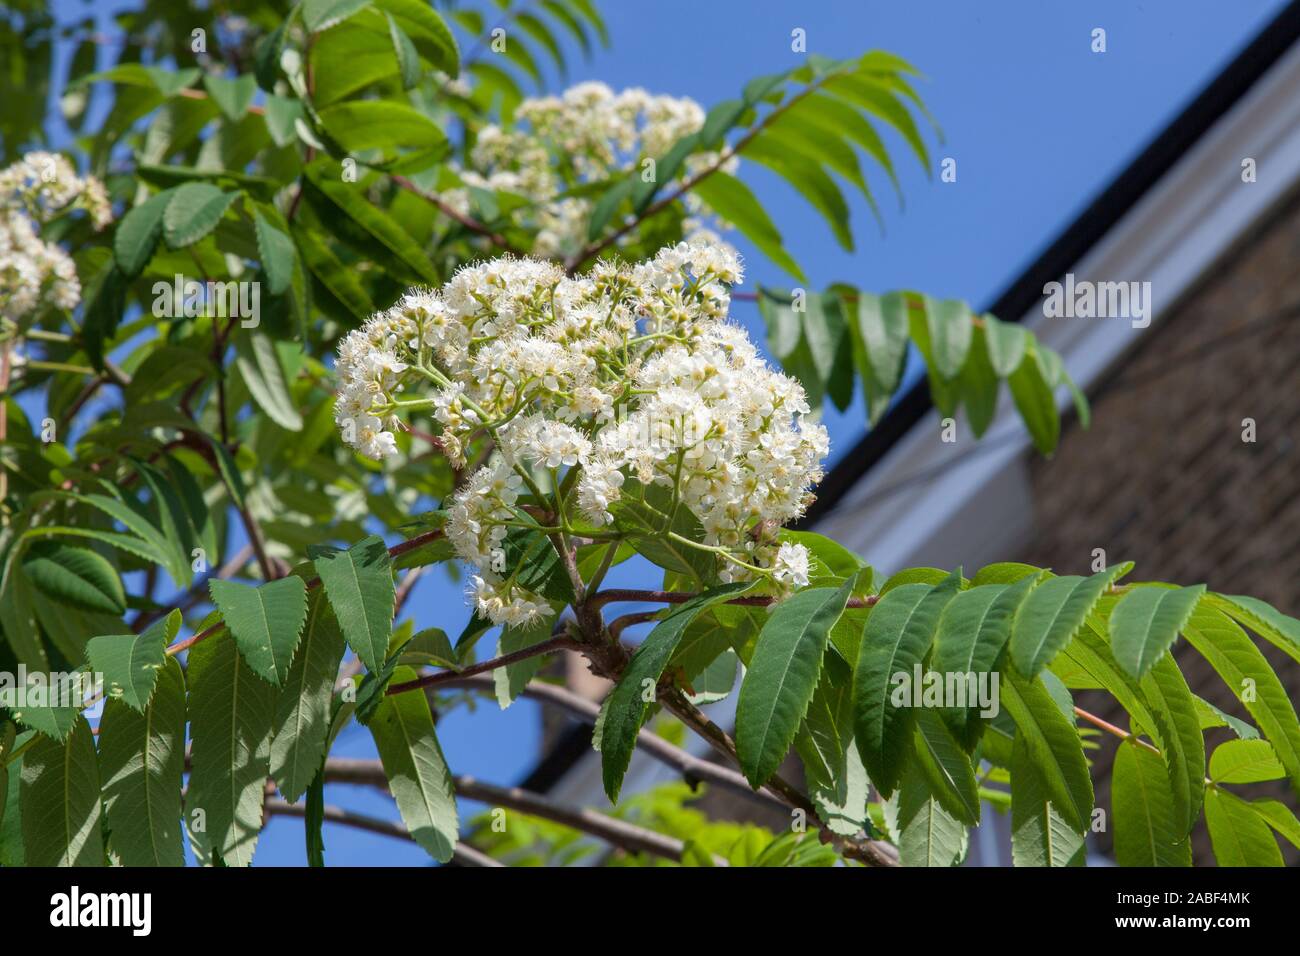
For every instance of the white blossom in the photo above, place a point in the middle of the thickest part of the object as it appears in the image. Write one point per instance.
(632, 372)
(791, 564)
(587, 134)
(35, 274)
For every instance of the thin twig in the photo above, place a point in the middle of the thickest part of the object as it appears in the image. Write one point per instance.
(1111, 729)
(870, 852)
(473, 225)
(612, 830)
(558, 643)
(692, 767)
(464, 854)
(628, 595)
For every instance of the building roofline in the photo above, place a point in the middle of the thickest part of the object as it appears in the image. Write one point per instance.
(1077, 239)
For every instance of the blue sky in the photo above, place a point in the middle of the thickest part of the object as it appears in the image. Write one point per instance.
(1036, 121)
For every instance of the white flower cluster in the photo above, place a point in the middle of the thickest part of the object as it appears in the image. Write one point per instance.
(586, 134)
(34, 273)
(583, 384)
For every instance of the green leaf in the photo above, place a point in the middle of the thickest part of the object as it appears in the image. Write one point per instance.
(59, 793)
(266, 621)
(1210, 716)
(230, 476)
(833, 771)
(898, 635)
(806, 176)
(927, 835)
(1036, 403)
(230, 727)
(341, 282)
(1145, 623)
(946, 767)
(532, 562)
(1006, 342)
(131, 663)
(259, 365)
(266, 55)
(871, 94)
(18, 616)
(431, 646)
(782, 676)
(1146, 832)
(276, 251)
(137, 234)
(1245, 761)
(335, 196)
(416, 769)
(978, 384)
(7, 737)
(1269, 623)
(381, 124)
(314, 821)
(1178, 731)
(282, 114)
(1051, 615)
(1248, 675)
(319, 15)
(1040, 835)
(513, 678)
(733, 201)
(143, 758)
(11, 767)
(879, 338)
(408, 60)
(604, 208)
(1239, 835)
(232, 96)
(75, 576)
(973, 630)
(54, 722)
(194, 211)
(359, 584)
(631, 697)
(949, 325)
(302, 712)
(1053, 745)
(1280, 818)
(647, 520)
(428, 32)
(824, 331)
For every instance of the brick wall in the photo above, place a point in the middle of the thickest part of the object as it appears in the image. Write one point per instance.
(1163, 477)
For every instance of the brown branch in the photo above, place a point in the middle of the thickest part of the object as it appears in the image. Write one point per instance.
(258, 543)
(612, 830)
(464, 854)
(1111, 729)
(870, 852)
(620, 624)
(557, 643)
(692, 767)
(468, 222)
(404, 589)
(626, 595)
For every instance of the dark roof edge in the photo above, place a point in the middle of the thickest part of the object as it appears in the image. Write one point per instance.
(1080, 236)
